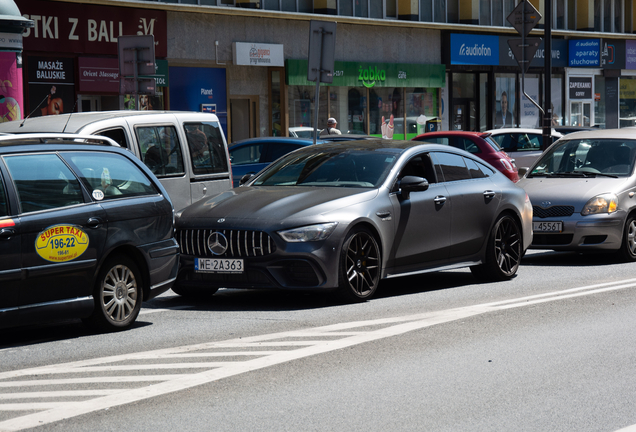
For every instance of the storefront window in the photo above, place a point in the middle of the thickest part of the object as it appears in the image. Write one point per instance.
(348, 106)
(463, 110)
(530, 114)
(302, 106)
(422, 105)
(384, 103)
(557, 100)
(276, 104)
(627, 101)
(599, 101)
(505, 99)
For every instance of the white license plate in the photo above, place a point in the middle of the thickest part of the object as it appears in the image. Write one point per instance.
(218, 265)
(547, 226)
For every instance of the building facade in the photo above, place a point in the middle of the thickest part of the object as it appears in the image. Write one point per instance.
(416, 65)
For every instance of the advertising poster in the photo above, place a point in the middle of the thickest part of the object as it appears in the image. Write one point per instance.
(51, 85)
(11, 100)
(505, 101)
(193, 87)
(529, 117)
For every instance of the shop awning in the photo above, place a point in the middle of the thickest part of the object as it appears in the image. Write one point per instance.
(358, 74)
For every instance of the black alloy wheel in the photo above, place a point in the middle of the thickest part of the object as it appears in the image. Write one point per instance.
(503, 252)
(360, 265)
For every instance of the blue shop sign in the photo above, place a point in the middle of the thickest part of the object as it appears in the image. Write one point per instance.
(559, 53)
(470, 49)
(585, 53)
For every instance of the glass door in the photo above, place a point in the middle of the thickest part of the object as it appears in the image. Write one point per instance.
(580, 113)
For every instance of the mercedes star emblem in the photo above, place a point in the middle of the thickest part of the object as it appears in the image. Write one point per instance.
(217, 243)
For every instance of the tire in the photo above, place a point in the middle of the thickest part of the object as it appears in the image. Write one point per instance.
(360, 266)
(627, 251)
(503, 252)
(194, 292)
(117, 294)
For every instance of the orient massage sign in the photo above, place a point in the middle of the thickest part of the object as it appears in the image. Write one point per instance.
(88, 29)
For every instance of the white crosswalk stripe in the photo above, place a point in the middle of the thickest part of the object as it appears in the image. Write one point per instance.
(127, 378)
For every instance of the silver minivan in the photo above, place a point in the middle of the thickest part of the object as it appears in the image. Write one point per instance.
(187, 151)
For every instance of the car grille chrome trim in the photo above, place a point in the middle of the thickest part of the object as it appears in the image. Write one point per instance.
(553, 211)
(242, 243)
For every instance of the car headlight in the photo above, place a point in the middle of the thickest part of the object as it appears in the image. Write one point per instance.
(308, 233)
(606, 203)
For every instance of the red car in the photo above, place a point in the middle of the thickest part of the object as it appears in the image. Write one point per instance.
(478, 143)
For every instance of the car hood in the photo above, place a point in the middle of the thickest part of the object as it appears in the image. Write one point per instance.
(278, 203)
(570, 191)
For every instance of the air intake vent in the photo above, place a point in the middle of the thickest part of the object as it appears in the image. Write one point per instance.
(554, 211)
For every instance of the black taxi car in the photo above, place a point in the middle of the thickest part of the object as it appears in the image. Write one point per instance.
(86, 231)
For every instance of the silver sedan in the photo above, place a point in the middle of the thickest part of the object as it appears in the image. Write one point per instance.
(583, 193)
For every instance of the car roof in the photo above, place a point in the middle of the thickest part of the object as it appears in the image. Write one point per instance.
(622, 133)
(521, 130)
(454, 133)
(283, 140)
(395, 146)
(73, 122)
(346, 137)
(34, 139)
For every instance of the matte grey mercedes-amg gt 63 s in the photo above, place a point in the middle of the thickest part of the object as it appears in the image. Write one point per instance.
(343, 216)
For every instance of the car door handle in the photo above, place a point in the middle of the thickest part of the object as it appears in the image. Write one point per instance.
(6, 233)
(94, 222)
(439, 199)
(489, 194)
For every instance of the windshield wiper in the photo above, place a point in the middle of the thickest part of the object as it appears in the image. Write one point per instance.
(594, 174)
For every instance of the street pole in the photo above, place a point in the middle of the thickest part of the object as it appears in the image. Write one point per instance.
(547, 100)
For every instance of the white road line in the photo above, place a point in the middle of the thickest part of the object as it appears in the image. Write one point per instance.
(34, 406)
(342, 334)
(57, 394)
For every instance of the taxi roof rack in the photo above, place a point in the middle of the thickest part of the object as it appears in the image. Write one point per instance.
(55, 138)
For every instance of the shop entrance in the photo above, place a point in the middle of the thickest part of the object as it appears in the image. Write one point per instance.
(469, 103)
(89, 103)
(243, 117)
(581, 113)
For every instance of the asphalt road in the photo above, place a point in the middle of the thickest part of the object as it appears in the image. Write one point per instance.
(553, 349)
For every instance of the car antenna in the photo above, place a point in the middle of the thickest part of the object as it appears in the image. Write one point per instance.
(69, 116)
(25, 119)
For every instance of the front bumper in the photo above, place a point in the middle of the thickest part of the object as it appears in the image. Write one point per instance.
(582, 233)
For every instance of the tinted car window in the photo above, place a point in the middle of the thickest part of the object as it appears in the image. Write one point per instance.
(160, 150)
(277, 150)
(51, 185)
(465, 144)
(350, 168)
(246, 154)
(112, 174)
(419, 166)
(3, 201)
(207, 150)
(475, 169)
(118, 135)
(452, 166)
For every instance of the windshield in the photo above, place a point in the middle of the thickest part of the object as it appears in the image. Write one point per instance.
(588, 157)
(343, 167)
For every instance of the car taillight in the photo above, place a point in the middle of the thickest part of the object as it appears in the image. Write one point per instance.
(506, 164)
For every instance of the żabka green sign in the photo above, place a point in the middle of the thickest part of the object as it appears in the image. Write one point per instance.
(353, 74)
(370, 75)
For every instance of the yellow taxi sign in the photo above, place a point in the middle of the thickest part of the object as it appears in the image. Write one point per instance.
(61, 243)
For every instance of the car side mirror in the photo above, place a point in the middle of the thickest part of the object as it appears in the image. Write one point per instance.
(410, 184)
(522, 171)
(245, 178)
